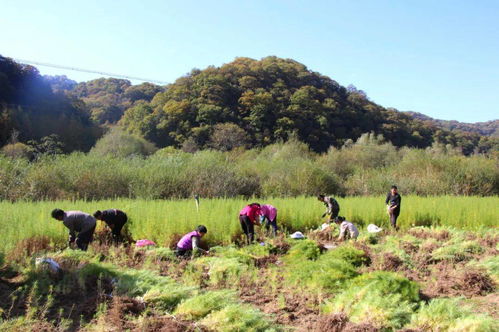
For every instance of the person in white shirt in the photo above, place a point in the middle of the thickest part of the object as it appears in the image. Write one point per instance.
(347, 229)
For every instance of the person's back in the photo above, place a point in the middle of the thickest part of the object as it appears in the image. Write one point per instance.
(78, 221)
(349, 228)
(268, 211)
(81, 226)
(190, 241)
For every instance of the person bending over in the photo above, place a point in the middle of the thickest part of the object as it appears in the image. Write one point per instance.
(115, 220)
(189, 243)
(269, 215)
(248, 217)
(332, 207)
(347, 229)
(81, 226)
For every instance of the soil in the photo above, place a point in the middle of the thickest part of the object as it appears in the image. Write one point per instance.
(287, 306)
(456, 280)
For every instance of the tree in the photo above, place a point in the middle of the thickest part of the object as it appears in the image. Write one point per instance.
(228, 136)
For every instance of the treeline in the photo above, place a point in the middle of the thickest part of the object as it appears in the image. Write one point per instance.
(255, 103)
(365, 167)
(246, 103)
(488, 128)
(30, 112)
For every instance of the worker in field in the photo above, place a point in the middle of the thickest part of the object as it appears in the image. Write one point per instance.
(81, 226)
(268, 214)
(393, 201)
(189, 243)
(115, 220)
(248, 217)
(347, 229)
(332, 207)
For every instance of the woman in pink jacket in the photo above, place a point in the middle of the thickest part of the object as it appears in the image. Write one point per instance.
(269, 213)
(248, 217)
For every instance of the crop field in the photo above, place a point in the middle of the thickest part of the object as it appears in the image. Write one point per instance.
(439, 272)
(161, 221)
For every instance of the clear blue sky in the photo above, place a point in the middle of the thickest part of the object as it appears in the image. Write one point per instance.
(440, 58)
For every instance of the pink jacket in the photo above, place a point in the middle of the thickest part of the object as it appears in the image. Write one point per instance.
(269, 212)
(252, 211)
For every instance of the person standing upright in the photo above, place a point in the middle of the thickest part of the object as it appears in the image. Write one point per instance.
(393, 201)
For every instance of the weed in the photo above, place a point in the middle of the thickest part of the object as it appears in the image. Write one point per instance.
(238, 317)
(201, 305)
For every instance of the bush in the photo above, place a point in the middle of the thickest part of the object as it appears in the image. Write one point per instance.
(222, 271)
(238, 317)
(118, 143)
(491, 264)
(303, 250)
(201, 305)
(459, 251)
(17, 150)
(351, 255)
(162, 292)
(448, 315)
(383, 299)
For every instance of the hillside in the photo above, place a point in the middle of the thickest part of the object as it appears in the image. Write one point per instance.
(248, 103)
(30, 110)
(257, 102)
(488, 128)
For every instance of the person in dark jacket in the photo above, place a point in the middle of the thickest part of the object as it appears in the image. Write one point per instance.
(393, 201)
(332, 207)
(81, 226)
(114, 219)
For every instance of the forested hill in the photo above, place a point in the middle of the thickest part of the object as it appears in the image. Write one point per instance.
(246, 102)
(31, 112)
(259, 102)
(488, 128)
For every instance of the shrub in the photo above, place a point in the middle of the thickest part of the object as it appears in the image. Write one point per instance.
(201, 305)
(448, 315)
(491, 264)
(458, 251)
(221, 271)
(238, 317)
(118, 143)
(353, 256)
(162, 292)
(303, 250)
(383, 299)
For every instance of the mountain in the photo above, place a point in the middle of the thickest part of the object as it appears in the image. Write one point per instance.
(30, 110)
(489, 128)
(272, 99)
(244, 103)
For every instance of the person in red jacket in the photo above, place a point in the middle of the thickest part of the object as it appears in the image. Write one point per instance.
(248, 217)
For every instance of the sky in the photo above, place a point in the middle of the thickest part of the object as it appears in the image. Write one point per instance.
(440, 58)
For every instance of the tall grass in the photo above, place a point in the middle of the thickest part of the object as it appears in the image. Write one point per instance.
(289, 169)
(160, 220)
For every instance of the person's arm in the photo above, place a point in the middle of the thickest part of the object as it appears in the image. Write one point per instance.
(69, 223)
(342, 232)
(195, 245)
(329, 209)
(387, 199)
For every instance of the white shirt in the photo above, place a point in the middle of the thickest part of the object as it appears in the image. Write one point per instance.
(348, 226)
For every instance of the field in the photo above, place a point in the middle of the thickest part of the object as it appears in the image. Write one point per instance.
(438, 273)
